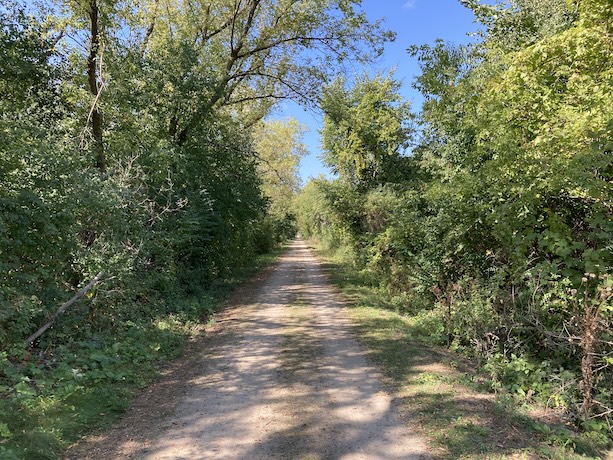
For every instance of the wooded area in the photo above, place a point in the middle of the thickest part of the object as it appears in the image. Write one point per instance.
(135, 141)
(488, 216)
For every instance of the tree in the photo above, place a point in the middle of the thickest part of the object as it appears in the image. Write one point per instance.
(247, 54)
(546, 121)
(279, 148)
(500, 221)
(127, 146)
(366, 129)
(517, 133)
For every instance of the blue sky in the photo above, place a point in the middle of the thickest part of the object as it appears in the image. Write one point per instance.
(415, 22)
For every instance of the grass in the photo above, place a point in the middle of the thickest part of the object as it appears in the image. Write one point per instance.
(444, 395)
(83, 387)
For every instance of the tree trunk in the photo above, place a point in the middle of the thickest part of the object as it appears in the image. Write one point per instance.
(94, 87)
(63, 308)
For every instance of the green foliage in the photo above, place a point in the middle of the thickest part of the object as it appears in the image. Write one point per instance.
(52, 396)
(279, 147)
(173, 104)
(499, 223)
(450, 396)
(365, 129)
(521, 23)
(27, 79)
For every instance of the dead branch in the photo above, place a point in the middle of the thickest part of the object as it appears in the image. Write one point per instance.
(63, 308)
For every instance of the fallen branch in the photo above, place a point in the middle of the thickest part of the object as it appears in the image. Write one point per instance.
(63, 308)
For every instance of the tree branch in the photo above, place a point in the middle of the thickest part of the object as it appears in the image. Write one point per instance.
(63, 308)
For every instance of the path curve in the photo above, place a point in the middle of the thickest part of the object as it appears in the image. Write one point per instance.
(282, 377)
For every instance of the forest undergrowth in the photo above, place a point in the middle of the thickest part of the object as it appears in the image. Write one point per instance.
(84, 384)
(448, 395)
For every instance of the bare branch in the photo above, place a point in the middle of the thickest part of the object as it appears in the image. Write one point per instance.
(63, 308)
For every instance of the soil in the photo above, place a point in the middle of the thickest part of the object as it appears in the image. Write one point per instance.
(279, 375)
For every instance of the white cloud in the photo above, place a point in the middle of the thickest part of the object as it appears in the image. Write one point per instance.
(409, 4)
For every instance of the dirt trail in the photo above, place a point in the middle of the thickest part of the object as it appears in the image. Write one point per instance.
(282, 377)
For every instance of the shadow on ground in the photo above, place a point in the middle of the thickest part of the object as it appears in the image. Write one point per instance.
(270, 382)
(443, 391)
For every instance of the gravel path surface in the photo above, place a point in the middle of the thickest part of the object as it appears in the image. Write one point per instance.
(280, 376)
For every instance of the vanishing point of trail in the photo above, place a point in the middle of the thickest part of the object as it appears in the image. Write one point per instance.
(280, 376)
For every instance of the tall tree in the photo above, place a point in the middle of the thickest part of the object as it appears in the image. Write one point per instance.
(94, 64)
(366, 129)
(251, 53)
(279, 148)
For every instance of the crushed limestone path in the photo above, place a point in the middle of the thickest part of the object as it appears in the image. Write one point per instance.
(281, 376)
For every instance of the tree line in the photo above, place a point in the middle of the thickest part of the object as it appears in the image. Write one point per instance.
(489, 214)
(135, 141)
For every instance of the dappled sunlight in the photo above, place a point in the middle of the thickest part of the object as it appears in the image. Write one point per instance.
(285, 378)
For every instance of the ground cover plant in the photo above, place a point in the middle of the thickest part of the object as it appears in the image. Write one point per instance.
(54, 395)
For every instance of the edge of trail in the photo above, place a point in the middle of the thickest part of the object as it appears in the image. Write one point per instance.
(279, 374)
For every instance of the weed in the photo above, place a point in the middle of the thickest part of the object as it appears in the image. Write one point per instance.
(49, 400)
(445, 393)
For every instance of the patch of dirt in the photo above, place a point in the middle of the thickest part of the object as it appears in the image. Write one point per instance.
(278, 376)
